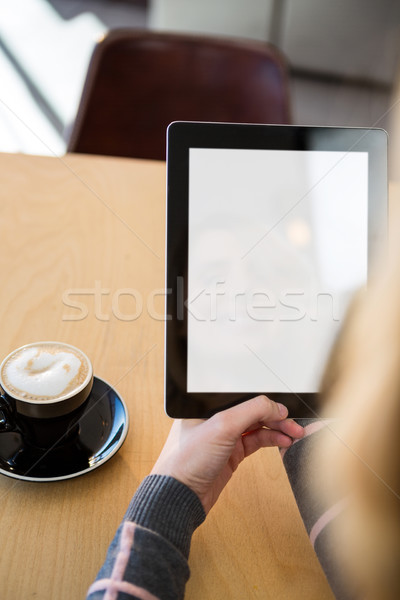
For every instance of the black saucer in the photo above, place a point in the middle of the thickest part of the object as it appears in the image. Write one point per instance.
(95, 437)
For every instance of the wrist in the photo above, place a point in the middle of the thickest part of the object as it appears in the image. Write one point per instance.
(168, 507)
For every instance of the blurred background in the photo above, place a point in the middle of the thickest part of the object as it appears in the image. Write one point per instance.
(343, 56)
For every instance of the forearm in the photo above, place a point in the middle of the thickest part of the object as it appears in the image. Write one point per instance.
(150, 549)
(319, 516)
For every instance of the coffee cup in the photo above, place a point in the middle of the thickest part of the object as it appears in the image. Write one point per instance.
(43, 382)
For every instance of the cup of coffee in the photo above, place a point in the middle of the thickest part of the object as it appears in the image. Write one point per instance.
(43, 381)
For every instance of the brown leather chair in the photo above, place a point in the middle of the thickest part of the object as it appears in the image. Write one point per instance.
(140, 81)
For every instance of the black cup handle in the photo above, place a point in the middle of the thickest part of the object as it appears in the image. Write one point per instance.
(6, 414)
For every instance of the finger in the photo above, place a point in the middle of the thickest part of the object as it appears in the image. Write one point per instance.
(240, 418)
(264, 438)
(288, 426)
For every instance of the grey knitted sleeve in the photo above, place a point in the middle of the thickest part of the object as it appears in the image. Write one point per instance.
(318, 516)
(147, 558)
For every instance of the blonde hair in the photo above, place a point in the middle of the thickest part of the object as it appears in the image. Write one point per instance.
(360, 453)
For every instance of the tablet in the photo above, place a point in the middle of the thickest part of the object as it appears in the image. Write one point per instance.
(270, 231)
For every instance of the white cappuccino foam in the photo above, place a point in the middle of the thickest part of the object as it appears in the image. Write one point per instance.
(36, 372)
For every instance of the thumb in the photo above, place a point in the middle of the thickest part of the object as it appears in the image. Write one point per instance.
(247, 415)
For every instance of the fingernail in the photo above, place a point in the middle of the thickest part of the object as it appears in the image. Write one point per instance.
(283, 411)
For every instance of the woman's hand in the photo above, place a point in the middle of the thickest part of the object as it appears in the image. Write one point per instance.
(204, 454)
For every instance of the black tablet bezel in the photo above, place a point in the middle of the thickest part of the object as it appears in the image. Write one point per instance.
(181, 136)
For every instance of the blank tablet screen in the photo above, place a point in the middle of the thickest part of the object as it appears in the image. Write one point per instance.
(277, 247)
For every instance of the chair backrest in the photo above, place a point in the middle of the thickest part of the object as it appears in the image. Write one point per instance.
(140, 81)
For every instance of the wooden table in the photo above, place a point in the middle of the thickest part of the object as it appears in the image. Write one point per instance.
(82, 261)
